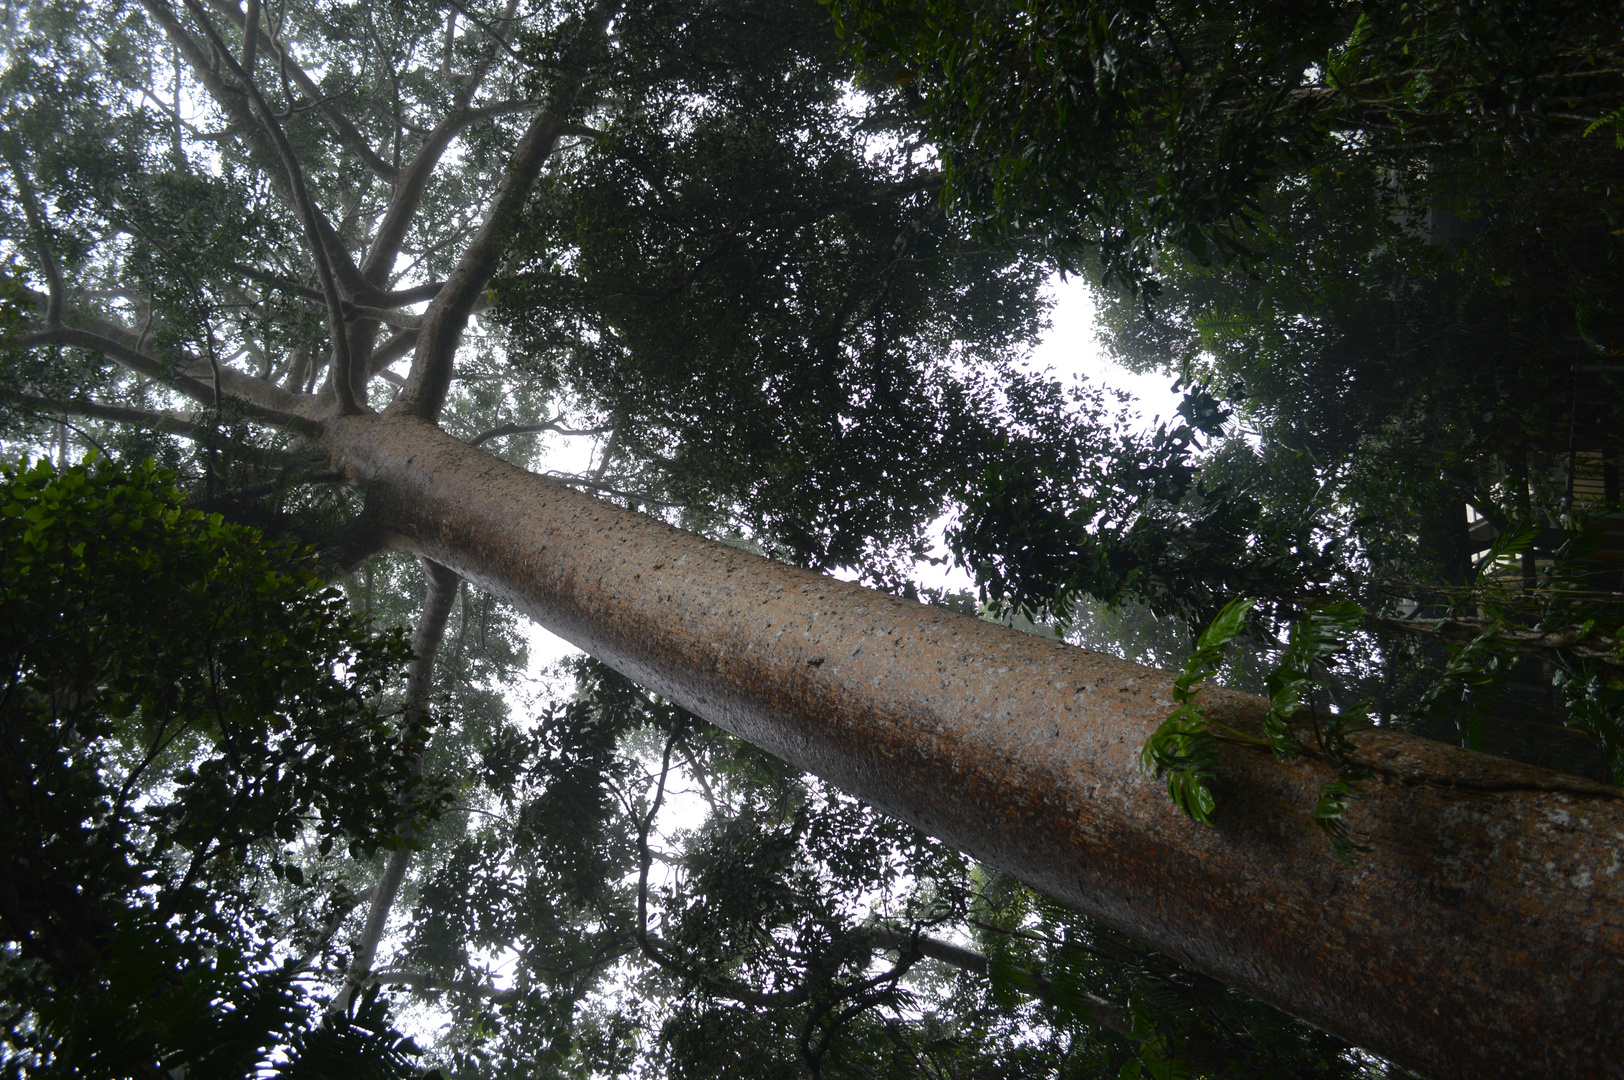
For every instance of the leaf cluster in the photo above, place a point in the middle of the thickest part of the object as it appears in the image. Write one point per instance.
(1129, 130)
(1077, 511)
(1183, 750)
(748, 277)
(184, 704)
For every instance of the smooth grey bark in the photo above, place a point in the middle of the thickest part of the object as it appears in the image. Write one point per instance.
(1483, 934)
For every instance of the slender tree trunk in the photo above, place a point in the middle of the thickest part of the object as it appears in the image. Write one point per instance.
(440, 593)
(1483, 935)
(1102, 1012)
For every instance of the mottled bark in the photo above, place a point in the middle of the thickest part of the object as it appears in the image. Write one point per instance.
(1483, 935)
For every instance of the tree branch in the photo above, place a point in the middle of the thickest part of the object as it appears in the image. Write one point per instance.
(448, 314)
(266, 155)
(408, 193)
(1107, 1015)
(342, 126)
(407, 197)
(1603, 648)
(256, 394)
(229, 100)
(250, 37)
(42, 236)
(609, 489)
(528, 429)
(170, 423)
(390, 351)
(415, 295)
(334, 921)
(656, 950)
(423, 980)
(609, 447)
(138, 362)
(309, 217)
(182, 383)
(399, 320)
(645, 860)
(278, 281)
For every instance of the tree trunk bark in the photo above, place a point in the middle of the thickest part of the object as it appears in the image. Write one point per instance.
(1482, 936)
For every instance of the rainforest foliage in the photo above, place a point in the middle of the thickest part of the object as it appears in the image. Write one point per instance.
(189, 715)
(1380, 244)
(774, 281)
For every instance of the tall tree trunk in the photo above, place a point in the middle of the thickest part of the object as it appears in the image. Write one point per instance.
(1483, 935)
(439, 593)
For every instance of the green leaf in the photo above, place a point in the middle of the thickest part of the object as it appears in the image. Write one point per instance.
(1331, 818)
(1322, 633)
(1208, 656)
(1182, 751)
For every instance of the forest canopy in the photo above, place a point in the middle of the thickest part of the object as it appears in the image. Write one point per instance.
(1381, 244)
(768, 270)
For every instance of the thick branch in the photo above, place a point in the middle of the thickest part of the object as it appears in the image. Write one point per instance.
(448, 314)
(408, 193)
(194, 388)
(309, 217)
(267, 156)
(408, 196)
(370, 303)
(393, 349)
(399, 320)
(193, 376)
(138, 362)
(229, 99)
(170, 423)
(415, 295)
(250, 37)
(503, 108)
